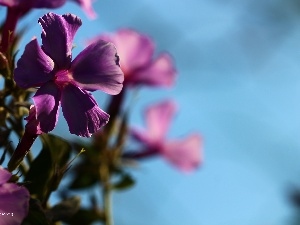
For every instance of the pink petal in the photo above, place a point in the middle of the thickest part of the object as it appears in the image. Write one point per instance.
(26, 5)
(14, 204)
(86, 5)
(160, 72)
(96, 68)
(47, 101)
(142, 136)
(185, 154)
(10, 3)
(57, 37)
(135, 49)
(34, 67)
(158, 118)
(4, 175)
(84, 117)
(50, 4)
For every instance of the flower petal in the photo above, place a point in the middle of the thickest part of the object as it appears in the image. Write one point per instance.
(47, 101)
(4, 175)
(14, 204)
(158, 118)
(50, 4)
(160, 72)
(57, 37)
(10, 3)
(84, 118)
(141, 136)
(96, 67)
(185, 154)
(86, 5)
(34, 67)
(135, 49)
(33, 125)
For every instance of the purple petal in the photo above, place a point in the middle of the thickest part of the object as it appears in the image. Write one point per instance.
(185, 154)
(141, 136)
(50, 4)
(57, 37)
(10, 3)
(47, 100)
(34, 67)
(160, 72)
(33, 125)
(84, 117)
(135, 49)
(86, 5)
(4, 175)
(33, 3)
(14, 204)
(158, 118)
(96, 68)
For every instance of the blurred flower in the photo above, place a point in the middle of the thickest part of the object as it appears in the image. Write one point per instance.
(67, 83)
(23, 6)
(18, 8)
(26, 5)
(136, 53)
(184, 154)
(14, 200)
(86, 6)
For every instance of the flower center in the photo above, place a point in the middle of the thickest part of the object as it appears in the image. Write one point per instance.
(62, 78)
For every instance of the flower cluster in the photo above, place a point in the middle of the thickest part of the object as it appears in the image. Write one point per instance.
(45, 78)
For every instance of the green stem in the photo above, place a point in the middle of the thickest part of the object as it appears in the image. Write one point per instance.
(107, 204)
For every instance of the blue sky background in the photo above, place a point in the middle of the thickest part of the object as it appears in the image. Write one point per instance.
(238, 85)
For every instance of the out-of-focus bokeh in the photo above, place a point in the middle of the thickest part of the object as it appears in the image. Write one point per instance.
(238, 85)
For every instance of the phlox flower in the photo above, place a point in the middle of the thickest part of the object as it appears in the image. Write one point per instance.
(23, 6)
(14, 200)
(183, 153)
(86, 6)
(65, 82)
(138, 63)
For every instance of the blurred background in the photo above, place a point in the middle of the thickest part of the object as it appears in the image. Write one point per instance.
(238, 84)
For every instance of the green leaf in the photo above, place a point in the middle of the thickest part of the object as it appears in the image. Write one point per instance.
(47, 170)
(125, 182)
(36, 214)
(64, 210)
(86, 217)
(83, 181)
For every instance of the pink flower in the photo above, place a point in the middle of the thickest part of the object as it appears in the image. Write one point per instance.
(24, 6)
(184, 153)
(18, 8)
(137, 62)
(86, 6)
(14, 200)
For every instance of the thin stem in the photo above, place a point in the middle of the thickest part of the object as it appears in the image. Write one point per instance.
(21, 151)
(12, 17)
(104, 176)
(107, 204)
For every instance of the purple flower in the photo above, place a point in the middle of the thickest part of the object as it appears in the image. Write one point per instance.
(24, 6)
(140, 68)
(67, 82)
(14, 200)
(184, 154)
(28, 4)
